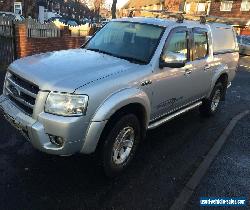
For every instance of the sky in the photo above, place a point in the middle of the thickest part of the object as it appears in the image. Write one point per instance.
(120, 3)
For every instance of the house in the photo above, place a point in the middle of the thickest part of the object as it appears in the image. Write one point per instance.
(231, 9)
(138, 5)
(68, 8)
(23, 7)
(174, 5)
(197, 7)
(234, 12)
(12, 6)
(105, 13)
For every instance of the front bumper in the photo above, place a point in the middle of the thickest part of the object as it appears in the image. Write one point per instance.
(78, 135)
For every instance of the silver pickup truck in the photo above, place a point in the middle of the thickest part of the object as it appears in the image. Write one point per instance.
(133, 75)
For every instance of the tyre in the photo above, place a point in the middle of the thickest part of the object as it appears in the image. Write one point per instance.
(210, 106)
(120, 144)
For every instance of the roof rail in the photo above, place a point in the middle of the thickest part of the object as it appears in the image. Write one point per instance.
(175, 14)
(179, 15)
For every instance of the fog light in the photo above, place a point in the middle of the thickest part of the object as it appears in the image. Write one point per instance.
(57, 140)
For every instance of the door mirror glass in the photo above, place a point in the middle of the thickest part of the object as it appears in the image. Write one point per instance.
(172, 59)
(175, 51)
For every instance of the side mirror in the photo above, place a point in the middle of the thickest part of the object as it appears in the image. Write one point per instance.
(173, 60)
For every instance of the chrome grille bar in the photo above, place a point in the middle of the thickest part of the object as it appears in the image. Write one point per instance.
(20, 88)
(19, 99)
(21, 92)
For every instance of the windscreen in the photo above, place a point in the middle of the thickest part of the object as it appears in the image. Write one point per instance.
(135, 42)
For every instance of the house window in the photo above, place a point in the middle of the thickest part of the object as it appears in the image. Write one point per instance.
(226, 5)
(245, 5)
(187, 7)
(18, 8)
(201, 7)
(155, 7)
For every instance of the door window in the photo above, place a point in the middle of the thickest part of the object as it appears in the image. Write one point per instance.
(200, 45)
(177, 43)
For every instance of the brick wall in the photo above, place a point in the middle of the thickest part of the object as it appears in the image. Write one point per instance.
(174, 5)
(29, 46)
(234, 13)
(245, 31)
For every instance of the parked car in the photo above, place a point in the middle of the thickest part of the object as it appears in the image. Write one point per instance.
(135, 74)
(12, 16)
(244, 44)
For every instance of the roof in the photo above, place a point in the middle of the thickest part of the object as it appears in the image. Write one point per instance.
(171, 22)
(161, 21)
(140, 3)
(152, 21)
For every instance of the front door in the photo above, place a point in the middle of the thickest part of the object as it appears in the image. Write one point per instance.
(172, 86)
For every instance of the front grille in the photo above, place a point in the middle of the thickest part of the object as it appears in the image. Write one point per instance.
(21, 92)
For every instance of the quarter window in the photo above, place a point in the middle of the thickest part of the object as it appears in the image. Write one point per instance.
(178, 43)
(200, 46)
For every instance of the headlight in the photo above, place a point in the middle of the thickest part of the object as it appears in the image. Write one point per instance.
(66, 104)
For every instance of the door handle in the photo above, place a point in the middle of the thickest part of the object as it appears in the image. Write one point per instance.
(146, 82)
(187, 72)
(207, 67)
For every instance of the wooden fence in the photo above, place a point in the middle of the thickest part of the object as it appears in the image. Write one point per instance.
(38, 30)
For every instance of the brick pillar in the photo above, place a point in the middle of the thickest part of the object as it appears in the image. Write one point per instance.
(21, 40)
(65, 32)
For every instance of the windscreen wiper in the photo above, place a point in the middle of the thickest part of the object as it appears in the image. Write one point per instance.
(132, 60)
(100, 51)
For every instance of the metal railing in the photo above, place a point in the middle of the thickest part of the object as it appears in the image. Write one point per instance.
(7, 41)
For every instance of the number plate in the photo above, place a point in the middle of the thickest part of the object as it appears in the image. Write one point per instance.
(14, 116)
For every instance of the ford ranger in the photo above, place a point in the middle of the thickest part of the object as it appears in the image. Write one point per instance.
(133, 75)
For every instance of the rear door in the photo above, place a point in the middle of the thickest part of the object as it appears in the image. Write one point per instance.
(200, 65)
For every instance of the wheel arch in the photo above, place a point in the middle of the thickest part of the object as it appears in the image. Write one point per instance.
(125, 101)
(121, 100)
(221, 75)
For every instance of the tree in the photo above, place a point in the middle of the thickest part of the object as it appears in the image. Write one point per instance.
(113, 9)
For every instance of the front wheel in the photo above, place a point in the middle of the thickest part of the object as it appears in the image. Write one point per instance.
(210, 106)
(120, 144)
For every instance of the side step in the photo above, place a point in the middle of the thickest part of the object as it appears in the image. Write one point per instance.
(174, 115)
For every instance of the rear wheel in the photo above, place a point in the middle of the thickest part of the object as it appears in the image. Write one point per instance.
(211, 105)
(120, 144)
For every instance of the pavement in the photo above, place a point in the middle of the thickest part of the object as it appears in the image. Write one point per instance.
(165, 162)
(229, 175)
